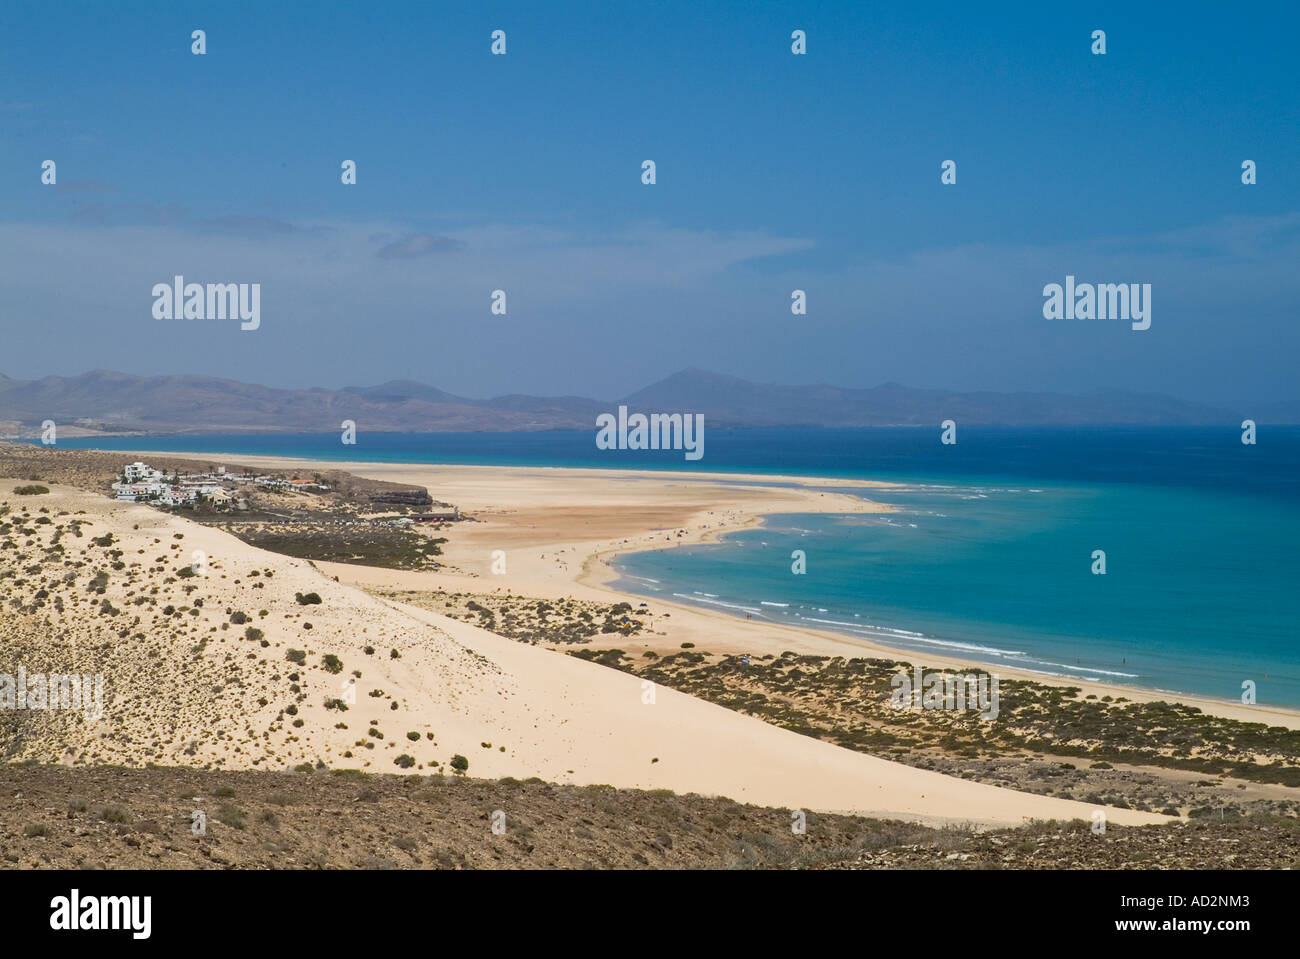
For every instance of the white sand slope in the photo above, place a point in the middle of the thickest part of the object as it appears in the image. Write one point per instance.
(561, 528)
(586, 723)
(187, 686)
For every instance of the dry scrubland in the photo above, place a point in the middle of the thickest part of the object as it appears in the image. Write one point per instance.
(345, 524)
(276, 693)
(1051, 739)
(222, 664)
(241, 659)
(94, 470)
(98, 818)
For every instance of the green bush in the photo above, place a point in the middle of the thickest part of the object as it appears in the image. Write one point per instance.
(298, 656)
(332, 663)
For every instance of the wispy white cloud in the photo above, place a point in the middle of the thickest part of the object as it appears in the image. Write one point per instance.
(418, 244)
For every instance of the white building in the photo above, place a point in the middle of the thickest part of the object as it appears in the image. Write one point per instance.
(133, 492)
(136, 472)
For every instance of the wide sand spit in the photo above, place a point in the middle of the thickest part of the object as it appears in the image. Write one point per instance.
(197, 690)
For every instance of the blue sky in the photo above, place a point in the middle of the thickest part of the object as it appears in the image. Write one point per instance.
(775, 172)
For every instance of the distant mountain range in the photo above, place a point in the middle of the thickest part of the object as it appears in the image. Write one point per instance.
(107, 402)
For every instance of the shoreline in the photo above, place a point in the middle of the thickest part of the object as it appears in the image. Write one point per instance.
(424, 694)
(860, 646)
(584, 566)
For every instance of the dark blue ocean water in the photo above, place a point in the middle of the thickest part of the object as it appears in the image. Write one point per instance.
(988, 555)
(1191, 456)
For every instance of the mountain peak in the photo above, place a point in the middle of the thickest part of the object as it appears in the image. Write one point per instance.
(161, 404)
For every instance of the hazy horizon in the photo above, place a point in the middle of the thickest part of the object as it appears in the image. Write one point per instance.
(775, 172)
(627, 390)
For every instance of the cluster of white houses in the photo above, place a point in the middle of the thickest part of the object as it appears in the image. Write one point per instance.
(141, 482)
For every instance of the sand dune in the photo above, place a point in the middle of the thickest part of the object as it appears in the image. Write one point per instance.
(592, 724)
(187, 687)
(560, 529)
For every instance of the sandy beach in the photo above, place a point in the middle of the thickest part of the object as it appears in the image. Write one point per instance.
(422, 687)
(562, 528)
(188, 689)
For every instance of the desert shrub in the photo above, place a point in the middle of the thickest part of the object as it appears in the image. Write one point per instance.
(230, 816)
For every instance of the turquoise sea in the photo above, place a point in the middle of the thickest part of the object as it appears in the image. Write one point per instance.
(989, 552)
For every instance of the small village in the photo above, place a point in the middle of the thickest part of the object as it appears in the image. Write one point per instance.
(332, 516)
(140, 483)
(223, 491)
